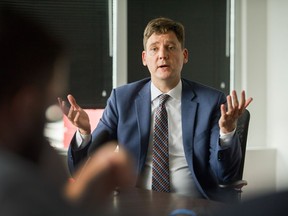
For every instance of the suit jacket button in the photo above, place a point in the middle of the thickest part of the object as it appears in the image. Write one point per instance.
(220, 156)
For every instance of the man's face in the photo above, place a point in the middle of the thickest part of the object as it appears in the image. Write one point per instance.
(164, 57)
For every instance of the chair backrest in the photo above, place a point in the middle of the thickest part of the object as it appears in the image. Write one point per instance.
(242, 130)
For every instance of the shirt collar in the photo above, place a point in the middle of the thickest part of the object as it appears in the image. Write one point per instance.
(174, 93)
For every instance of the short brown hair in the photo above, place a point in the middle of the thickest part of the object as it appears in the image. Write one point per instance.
(163, 25)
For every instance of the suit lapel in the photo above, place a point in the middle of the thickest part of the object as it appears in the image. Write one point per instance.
(143, 113)
(189, 109)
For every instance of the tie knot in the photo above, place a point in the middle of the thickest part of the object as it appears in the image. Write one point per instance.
(162, 99)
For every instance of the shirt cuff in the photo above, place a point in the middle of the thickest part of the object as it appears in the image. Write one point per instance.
(226, 138)
(82, 139)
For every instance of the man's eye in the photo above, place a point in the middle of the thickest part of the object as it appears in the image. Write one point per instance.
(152, 51)
(171, 48)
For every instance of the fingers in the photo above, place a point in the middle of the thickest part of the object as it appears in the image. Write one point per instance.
(242, 101)
(70, 114)
(63, 106)
(76, 118)
(235, 108)
(72, 101)
(223, 110)
(235, 99)
(229, 103)
(248, 101)
(60, 101)
(234, 104)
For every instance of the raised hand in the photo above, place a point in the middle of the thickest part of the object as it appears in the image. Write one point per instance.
(76, 114)
(234, 110)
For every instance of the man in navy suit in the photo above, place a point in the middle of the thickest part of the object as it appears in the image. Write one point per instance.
(204, 149)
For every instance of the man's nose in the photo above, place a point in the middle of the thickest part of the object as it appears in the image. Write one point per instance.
(163, 53)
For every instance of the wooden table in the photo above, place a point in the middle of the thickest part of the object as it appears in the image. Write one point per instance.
(134, 201)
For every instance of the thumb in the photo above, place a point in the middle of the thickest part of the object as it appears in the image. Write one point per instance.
(72, 101)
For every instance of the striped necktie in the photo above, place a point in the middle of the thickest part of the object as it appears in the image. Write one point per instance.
(160, 162)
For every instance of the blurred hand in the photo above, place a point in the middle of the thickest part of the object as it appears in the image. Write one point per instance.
(76, 115)
(234, 110)
(100, 175)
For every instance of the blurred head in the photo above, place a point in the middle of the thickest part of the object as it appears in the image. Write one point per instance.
(32, 71)
(164, 53)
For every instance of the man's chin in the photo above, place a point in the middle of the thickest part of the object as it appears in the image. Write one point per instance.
(164, 75)
(167, 77)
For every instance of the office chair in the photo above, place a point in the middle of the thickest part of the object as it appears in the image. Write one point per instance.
(242, 130)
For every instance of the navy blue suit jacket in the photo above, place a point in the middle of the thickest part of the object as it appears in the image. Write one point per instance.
(127, 118)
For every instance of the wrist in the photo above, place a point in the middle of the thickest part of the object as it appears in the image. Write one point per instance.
(229, 134)
(225, 131)
(84, 132)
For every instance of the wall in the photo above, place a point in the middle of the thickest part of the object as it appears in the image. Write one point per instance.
(250, 63)
(119, 42)
(251, 75)
(261, 68)
(277, 88)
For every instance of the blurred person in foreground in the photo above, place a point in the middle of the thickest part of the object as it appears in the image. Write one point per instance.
(33, 69)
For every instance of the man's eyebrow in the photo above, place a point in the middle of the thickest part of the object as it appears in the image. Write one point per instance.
(153, 44)
(171, 42)
(168, 42)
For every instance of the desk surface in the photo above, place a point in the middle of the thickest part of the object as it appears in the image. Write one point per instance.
(134, 201)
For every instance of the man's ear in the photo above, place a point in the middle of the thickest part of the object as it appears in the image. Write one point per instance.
(144, 58)
(185, 54)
